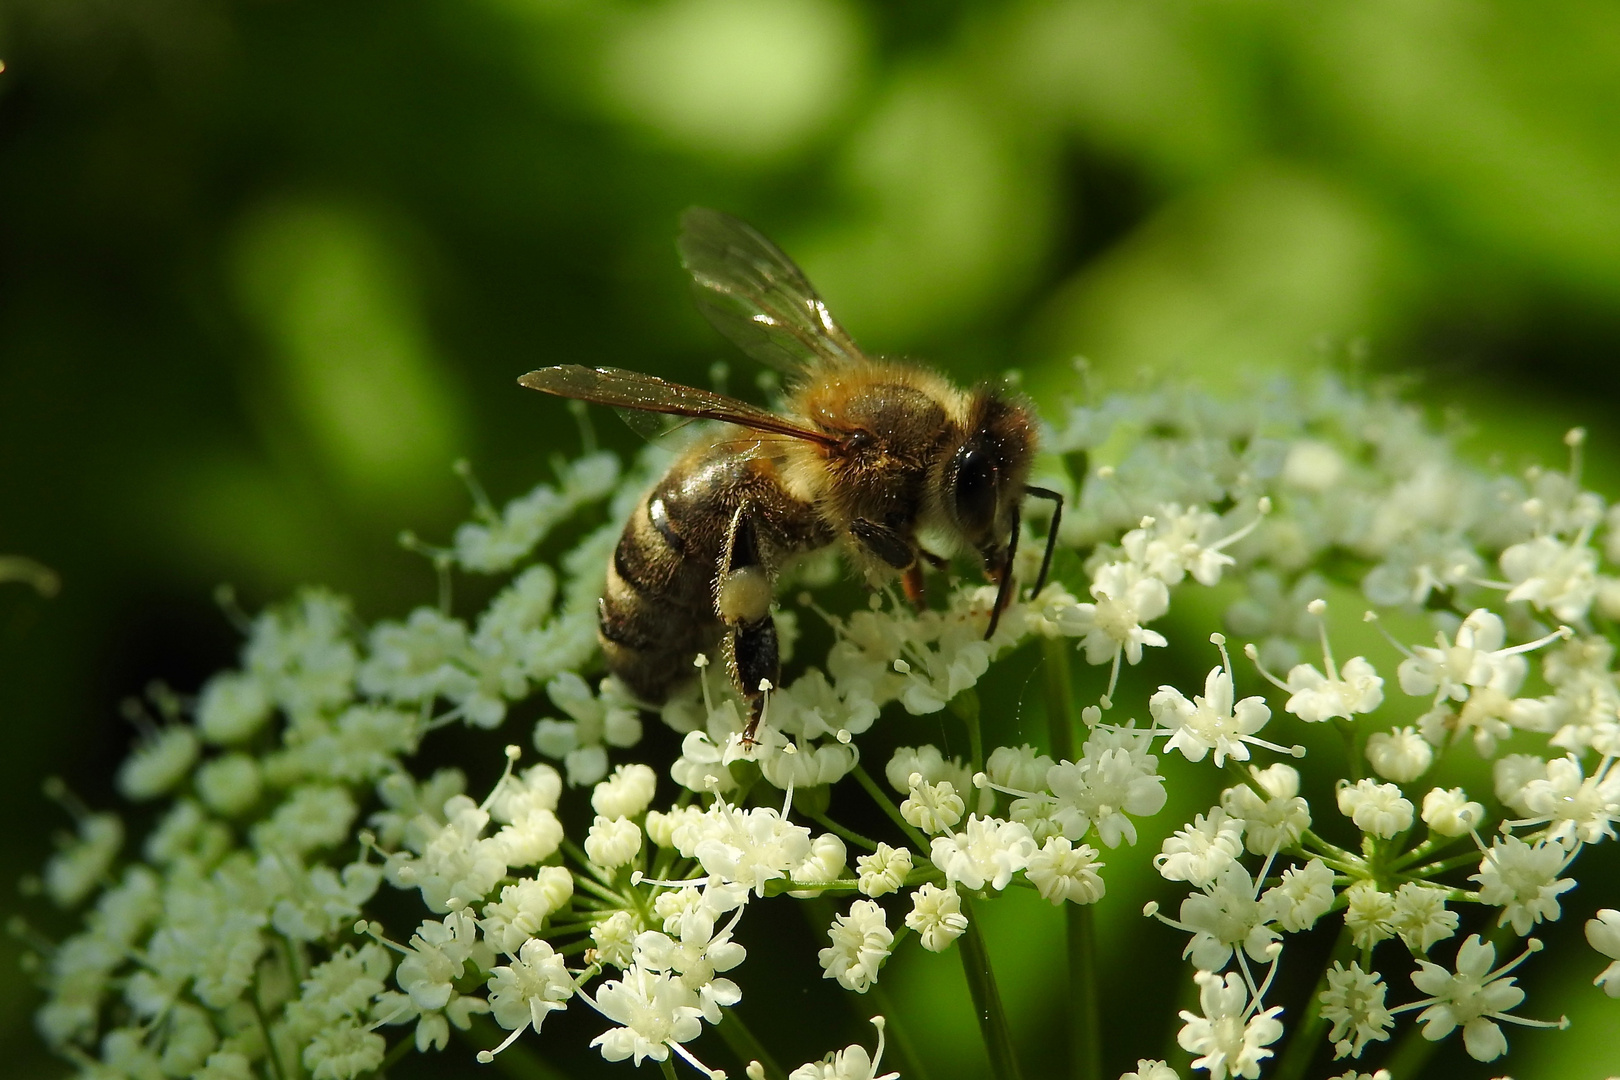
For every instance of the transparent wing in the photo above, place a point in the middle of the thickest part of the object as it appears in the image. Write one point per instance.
(753, 294)
(662, 429)
(648, 393)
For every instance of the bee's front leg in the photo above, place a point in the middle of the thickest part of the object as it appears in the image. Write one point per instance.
(899, 551)
(887, 544)
(915, 588)
(742, 600)
(912, 580)
(998, 567)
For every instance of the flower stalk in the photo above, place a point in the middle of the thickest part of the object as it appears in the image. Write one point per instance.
(1306, 1038)
(746, 1045)
(987, 1006)
(1083, 1015)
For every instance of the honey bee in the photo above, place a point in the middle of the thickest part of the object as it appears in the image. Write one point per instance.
(865, 453)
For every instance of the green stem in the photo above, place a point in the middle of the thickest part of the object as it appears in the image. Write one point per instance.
(1410, 1054)
(517, 1061)
(1422, 851)
(839, 887)
(667, 1067)
(966, 706)
(886, 804)
(1353, 740)
(745, 1044)
(395, 1053)
(614, 899)
(577, 853)
(1316, 845)
(902, 1048)
(1085, 1012)
(1470, 859)
(848, 834)
(981, 980)
(1059, 698)
(567, 928)
(295, 958)
(269, 1041)
(1307, 1035)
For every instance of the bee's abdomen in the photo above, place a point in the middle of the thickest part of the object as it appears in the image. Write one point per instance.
(657, 609)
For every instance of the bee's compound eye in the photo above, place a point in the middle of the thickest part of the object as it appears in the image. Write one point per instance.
(975, 477)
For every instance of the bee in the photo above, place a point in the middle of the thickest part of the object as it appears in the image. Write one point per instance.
(865, 453)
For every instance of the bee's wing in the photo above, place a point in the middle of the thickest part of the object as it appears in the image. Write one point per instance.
(648, 393)
(756, 296)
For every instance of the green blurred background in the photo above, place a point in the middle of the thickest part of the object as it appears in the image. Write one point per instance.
(267, 268)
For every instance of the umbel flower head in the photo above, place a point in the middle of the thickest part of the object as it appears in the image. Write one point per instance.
(294, 808)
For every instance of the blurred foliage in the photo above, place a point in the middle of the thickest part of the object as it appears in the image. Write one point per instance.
(267, 267)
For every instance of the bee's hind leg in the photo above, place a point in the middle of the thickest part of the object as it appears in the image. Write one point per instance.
(755, 661)
(742, 600)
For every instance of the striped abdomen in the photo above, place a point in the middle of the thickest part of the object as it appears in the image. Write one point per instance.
(657, 610)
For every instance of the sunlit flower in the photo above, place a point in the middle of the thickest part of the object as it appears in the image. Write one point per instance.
(1522, 879)
(1211, 720)
(1474, 998)
(936, 916)
(1232, 1035)
(861, 941)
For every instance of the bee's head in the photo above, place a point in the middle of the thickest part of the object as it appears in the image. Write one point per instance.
(985, 477)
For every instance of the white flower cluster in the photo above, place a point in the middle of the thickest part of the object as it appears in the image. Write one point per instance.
(1425, 528)
(242, 941)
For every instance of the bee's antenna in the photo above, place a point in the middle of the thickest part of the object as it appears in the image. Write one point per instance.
(1004, 587)
(1051, 531)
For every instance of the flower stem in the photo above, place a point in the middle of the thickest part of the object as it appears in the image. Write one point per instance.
(1410, 1054)
(847, 834)
(966, 706)
(1085, 1015)
(1422, 851)
(396, 1053)
(561, 929)
(1084, 1019)
(1436, 868)
(577, 853)
(904, 1049)
(1354, 740)
(981, 980)
(1307, 1035)
(1317, 846)
(614, 899)
(1059, 698)
(269, 1040)
(667, 1067)
(745, 1044)
(886, 804)
(518, 1061)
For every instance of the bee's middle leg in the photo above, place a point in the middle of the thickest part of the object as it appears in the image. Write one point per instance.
(742, 600)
